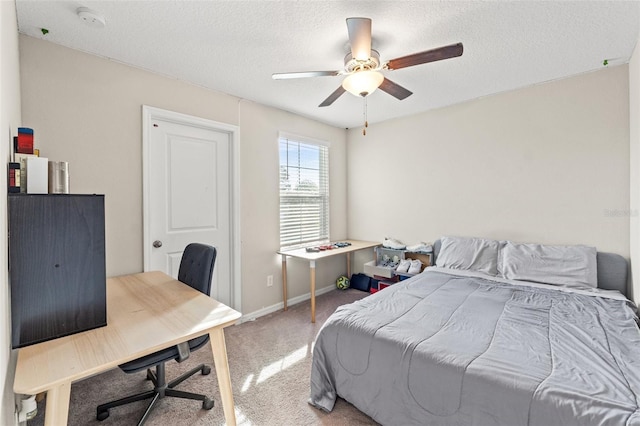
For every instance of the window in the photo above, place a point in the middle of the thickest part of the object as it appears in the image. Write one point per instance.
(304, 191)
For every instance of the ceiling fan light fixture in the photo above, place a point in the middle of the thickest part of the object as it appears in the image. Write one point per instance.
(363, 83)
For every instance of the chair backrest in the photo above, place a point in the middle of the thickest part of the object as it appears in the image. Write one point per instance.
(196, 266)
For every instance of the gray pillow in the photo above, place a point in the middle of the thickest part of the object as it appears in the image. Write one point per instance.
(570, 266)
(472, 254)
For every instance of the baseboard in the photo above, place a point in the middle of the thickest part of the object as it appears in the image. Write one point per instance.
(278, 306)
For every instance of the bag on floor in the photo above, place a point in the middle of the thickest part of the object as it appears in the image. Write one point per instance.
(360, 282)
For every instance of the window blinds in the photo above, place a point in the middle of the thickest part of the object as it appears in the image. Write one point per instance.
(304, 192)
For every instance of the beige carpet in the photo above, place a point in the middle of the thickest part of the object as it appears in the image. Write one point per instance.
(270, 362)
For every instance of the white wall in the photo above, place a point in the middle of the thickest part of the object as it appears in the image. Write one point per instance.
(547, 163)
(259, 126)
(634, 144)
(87, 110)
(9, 123)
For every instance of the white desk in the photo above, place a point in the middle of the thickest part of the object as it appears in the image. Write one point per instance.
(312, 257)
(145, 313)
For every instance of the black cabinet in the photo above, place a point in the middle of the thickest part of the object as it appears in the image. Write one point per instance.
(56, 265)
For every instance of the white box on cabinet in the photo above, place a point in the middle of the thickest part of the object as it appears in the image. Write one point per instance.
(37, 175)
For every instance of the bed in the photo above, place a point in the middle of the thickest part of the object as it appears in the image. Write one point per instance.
(489, 337)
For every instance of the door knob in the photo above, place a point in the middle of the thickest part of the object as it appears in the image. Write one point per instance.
(157, 243)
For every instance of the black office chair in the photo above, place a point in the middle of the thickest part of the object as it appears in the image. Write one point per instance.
(196, 270)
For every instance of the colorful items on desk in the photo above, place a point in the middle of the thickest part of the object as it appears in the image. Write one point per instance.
(318, 249)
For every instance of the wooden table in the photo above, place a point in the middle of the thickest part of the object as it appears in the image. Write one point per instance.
(145, 313)
(312, 257)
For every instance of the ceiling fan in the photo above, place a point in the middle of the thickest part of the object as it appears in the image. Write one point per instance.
(362, 66)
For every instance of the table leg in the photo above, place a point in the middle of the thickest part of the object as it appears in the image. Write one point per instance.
(349, 265)
(57, 406)
(284, 281)
(219, 349)
(312, 269)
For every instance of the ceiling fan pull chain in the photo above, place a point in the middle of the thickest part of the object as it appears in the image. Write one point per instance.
(366, 123)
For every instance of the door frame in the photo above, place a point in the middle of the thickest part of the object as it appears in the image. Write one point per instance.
(150, 113)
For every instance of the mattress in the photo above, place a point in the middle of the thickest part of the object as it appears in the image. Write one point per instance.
(454, 348)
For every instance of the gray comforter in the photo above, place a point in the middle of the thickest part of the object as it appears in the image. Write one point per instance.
(441, 349)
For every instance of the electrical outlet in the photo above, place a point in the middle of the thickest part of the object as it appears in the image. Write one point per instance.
(269, 280)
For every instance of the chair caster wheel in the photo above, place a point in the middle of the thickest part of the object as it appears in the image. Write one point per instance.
(102, 415)
(207, 404)
(206, 370)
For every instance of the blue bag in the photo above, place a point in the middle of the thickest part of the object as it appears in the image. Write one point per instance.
(360, 282)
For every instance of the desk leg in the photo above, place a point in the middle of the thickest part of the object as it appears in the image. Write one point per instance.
(284, 281)
(312, 268)
(349, 265)
(219, 349)
(57, 406)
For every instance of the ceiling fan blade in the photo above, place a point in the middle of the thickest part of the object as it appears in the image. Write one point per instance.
(303, 74)
(394, 89)
(432, 55)
(360, 37)
(332, 97)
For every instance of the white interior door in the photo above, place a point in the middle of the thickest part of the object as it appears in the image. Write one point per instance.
(188, 194)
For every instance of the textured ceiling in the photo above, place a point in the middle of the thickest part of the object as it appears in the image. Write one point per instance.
(235, 46)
